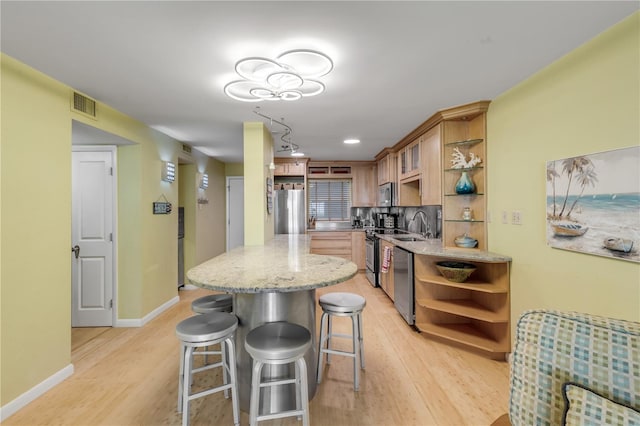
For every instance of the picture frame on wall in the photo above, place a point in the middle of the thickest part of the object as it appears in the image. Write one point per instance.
(593, 204)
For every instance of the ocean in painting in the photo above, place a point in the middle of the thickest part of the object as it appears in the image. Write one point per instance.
(605, 216)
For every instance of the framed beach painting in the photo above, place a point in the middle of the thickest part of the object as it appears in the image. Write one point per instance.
(593, 204)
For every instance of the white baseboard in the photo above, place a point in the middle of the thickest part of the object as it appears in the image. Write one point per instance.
(35, 392)
(139, 322)
(189, 287)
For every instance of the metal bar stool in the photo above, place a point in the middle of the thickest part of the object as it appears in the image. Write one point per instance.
(201, 331)
(205, 305)
(213, 303)
(279, 343)
(342, 305)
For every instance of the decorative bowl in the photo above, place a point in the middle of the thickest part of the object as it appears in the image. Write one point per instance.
(457, 272)
(465, 241)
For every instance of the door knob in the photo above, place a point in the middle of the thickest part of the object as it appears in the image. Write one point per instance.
(76, 250)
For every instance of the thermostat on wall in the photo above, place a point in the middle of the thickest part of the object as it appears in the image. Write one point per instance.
(161, 207)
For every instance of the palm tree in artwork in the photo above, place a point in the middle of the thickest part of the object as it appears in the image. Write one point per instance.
(585, 176)
(574, 166)
(552, 174)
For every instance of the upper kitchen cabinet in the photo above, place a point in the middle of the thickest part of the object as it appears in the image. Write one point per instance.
(363, 182)
(409, 160)
(431, 176)
(290, 167)
(386, 166)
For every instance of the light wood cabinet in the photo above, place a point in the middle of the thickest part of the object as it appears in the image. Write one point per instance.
(409, 160)
(431, 173)
(473, 314)
(386, 167)
(363, 185)
(347, 244)
(289, 168)
(333, 243)
(358, 249)
(386, 278)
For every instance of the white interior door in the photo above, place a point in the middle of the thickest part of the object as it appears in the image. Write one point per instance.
(235, 212)
(92, 237)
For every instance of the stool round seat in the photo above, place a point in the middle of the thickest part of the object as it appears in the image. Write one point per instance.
(213, 303)
(206, 327)
(342, 302)
(278, 341)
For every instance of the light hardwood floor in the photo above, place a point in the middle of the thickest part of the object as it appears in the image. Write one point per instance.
(128, 376)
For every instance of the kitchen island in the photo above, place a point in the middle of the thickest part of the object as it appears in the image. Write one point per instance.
(273, 282)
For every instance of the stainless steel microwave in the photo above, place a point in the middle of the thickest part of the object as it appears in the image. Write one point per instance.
(386, 195)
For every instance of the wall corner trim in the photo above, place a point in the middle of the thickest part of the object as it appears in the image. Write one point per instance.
(35, 392)
(140, 322)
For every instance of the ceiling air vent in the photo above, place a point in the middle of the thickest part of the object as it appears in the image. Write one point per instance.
(83, 105)
(186, 148)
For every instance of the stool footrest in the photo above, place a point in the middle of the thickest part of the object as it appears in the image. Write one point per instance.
(290, 413)
(207, 367)
(337, 352)
(209, 391)
(277, 382)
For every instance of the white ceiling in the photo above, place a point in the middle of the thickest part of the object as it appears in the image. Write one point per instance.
(396, 63)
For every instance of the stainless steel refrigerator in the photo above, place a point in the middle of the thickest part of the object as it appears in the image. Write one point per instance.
(289, 211)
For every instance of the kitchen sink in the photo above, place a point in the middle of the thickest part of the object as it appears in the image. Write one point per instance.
(408, 239)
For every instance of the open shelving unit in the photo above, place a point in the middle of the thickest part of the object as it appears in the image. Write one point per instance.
(467, 133)
(474, 313)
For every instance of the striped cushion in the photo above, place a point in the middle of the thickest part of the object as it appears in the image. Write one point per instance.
(586, 408)
(553, 348)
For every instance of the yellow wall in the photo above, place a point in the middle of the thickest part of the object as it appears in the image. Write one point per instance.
(586, 102)
(35, 315)
(258, 154)
(234, 169)
(211, 217)
(35, 247)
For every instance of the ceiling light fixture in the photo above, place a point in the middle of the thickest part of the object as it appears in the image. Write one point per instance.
(351, 141)
(289, 78)
(297, 154)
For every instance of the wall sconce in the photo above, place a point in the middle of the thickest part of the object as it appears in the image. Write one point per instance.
(204, 181)
(168, 171)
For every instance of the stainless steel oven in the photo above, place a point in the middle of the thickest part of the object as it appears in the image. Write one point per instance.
(371, 258)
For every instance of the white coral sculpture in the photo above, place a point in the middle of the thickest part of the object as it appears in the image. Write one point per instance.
(460, 161)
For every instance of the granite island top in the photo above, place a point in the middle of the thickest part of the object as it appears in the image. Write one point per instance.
(434, 247)
(283, 264)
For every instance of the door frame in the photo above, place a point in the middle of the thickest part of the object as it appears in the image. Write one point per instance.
(113, 149)
(228, 207)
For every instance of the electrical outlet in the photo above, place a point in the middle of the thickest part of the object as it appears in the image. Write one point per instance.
(516, 217)
(505, 217)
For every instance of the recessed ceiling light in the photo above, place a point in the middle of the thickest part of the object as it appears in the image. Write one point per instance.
(351, 141)
(297, 154)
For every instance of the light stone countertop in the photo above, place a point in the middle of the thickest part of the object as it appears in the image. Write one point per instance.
(283, 264)
(433, 247)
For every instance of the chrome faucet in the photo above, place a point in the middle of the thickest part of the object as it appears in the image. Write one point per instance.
(427, 233)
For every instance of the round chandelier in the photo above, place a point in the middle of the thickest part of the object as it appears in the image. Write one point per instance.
(292, 75)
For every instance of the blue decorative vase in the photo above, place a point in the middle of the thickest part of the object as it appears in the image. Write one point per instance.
(465, 184)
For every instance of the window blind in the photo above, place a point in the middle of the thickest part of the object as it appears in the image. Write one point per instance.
(329, 199)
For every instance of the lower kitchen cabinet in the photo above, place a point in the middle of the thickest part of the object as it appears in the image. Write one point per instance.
(358, 249)
(386, 278)
(333, 243)
(474, 313)
(347, 244)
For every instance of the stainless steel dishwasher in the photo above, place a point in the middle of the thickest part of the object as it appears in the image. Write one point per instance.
(403, 292)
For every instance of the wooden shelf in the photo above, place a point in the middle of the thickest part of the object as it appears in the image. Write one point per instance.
(463, 307)
(470, 284)
(465, 334)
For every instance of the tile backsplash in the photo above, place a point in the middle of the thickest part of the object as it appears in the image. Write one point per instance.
(365, 216)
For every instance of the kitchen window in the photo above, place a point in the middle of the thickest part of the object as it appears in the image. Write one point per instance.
(329, 199)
